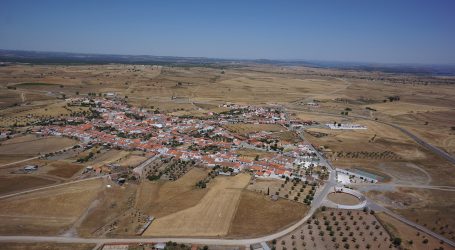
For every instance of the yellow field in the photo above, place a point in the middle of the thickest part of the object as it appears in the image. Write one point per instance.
(210, 217)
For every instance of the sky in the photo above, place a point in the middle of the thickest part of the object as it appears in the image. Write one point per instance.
(380, 31)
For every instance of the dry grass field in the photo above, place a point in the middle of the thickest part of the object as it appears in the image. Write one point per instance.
(48, 211)
(160, 199)
(64, 169)
(27, 114)
(402, 108)
(109, 206)
(411, 238)
(252, 128)
(343, 199)
(11, 184)
(430, 208)
(258, 215)
(210, 217)
(33, 145)
(107, 156)
(252, 153)
(46, 246)
(132, 161)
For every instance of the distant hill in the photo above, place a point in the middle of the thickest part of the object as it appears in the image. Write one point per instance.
(39, 57)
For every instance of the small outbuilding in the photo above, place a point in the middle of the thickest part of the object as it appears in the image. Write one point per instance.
(30, 168)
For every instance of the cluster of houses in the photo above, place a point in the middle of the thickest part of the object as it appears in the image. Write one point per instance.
(187, 138)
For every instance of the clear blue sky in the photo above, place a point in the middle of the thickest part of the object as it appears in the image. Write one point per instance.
(384, 31)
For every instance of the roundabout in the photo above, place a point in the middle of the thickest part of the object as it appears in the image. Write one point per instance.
(345, 198)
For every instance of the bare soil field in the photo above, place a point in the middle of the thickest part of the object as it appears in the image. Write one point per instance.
(212, 216)
(48, 211)
(10, 184)
(258, 215)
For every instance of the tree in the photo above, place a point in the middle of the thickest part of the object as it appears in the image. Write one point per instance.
(397, 241)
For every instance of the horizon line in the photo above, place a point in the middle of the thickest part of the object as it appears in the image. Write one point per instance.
(370, 63)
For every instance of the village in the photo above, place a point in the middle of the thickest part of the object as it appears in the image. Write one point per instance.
(113, 123)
